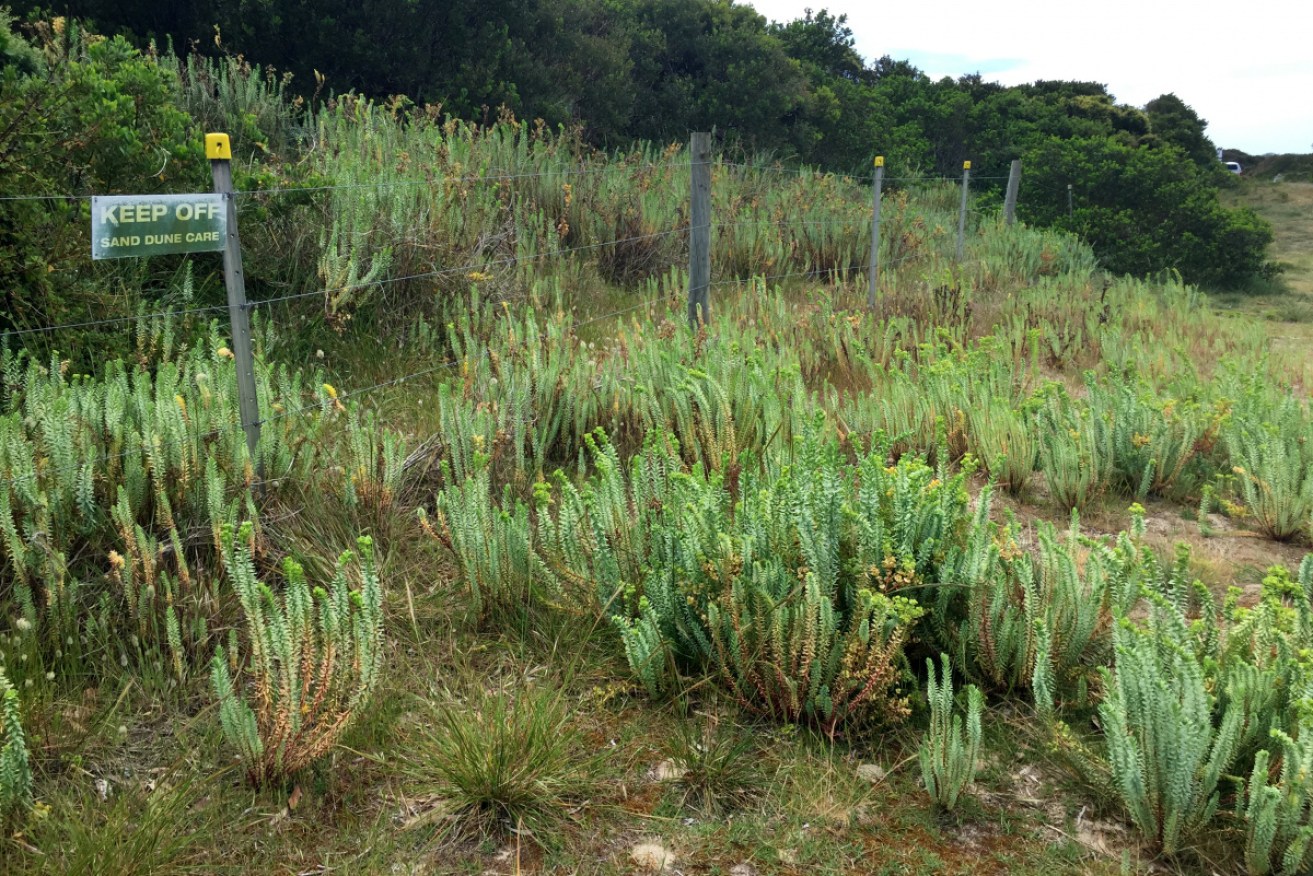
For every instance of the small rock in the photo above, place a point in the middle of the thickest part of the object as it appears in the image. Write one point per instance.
(788, 856)
(103, 789)
(871, 772)
(668, 771)
(744, 869)
(653, 857)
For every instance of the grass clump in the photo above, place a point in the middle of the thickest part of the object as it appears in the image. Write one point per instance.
(131, 833)
(501, 760)
(714, 765)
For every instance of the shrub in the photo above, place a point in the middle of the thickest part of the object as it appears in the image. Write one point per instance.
(314, 660)
(947, 757)
(1144, 209)
(92, 114)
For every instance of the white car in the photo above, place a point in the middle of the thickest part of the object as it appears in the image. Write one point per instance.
(1233, 166)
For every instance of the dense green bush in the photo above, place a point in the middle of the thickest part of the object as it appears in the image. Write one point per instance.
(1143, 210)
(80, 114)
(622, 70)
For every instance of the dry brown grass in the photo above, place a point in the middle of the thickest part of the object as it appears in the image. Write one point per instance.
(1289, 207)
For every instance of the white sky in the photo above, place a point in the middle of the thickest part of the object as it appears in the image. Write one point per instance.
(1247, 68)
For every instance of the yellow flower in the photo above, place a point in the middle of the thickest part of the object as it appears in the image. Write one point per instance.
(225, 353)
(328, 388)
(478, 276)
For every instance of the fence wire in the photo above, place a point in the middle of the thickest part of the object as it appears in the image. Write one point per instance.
(482, 264)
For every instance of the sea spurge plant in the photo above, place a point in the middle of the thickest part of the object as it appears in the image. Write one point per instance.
(1155, 442)
(1169, 745)
(376, 459)
(1036, 619)
(105, 478)
(307, 667)
(493, 546)
(1272, 461)
(784, 651)
(788, 595)
(1264, 653)
(948, 755)
(15, 771)
(1076, 452)
(910, 518)
(1004, 440)
(598, 539)
(1278, 812)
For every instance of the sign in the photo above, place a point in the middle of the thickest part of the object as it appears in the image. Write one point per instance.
(147, 225)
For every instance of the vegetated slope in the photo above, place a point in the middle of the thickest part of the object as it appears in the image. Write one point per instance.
(1292, 168)
(508, 700)
(1139, 184)
(1288, 206)
(639, 594)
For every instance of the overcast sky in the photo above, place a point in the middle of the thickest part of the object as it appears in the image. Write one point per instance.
(1247, 68)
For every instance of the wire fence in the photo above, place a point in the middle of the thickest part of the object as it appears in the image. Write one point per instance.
(495, 177)
(859, 225)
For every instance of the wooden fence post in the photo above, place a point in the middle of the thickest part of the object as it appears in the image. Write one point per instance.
(873, 278)
(219, 151)
(699, 240)
(1014, 185)
(962, 211)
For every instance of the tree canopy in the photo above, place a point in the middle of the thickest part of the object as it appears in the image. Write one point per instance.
(622, 70)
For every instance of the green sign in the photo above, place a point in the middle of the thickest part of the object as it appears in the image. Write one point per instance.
(147, 225)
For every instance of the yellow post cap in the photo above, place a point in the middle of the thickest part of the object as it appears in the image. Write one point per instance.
(217, 147)
(966, 165)
(879, 161)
